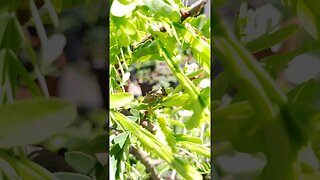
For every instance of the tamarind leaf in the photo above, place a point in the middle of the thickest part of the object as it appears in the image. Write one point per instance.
(194, 147)
(168, 133)
(188, 138)
(156, 147)
(200, 47)
(164, 9)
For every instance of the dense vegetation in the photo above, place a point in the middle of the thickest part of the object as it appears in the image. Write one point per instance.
(170, 123)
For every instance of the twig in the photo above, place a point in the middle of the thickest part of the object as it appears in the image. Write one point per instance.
(145, 160)
(194, 10)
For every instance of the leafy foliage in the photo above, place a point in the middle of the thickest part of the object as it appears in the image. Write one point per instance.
(168, 123)
(42, 121)
(269, 123)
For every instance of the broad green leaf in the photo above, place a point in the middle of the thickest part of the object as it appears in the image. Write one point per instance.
(71, 176)
(176, 100)
(118, 9)
(268, 40)
(296, 118)
(230, 120)
(307, 92)
(42, 117)
(80, 161)
(120, 139)
(307, 18)
(120, 99)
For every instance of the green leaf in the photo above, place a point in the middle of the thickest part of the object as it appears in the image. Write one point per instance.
(200, 47)
(71, 176)
(24, 170)
(176, 100)
(7, 170)
(307, 18)
(10, 37)
(307, 92)
(80, 161)
(237, 123)
(185, 137)
(39, 169)
(296, 118)
(220, 85)
(118, 9)
(151, 143)
(120, 139)
(268, 40)
(42, 117)
(194, 147)
(163, 9)
(20, 70)
(120, 99)
(4, 18)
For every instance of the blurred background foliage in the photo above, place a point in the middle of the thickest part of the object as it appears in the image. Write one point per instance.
(53, 89)
(275, 45)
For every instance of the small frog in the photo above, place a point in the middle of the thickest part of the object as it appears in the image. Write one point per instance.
(154, 97)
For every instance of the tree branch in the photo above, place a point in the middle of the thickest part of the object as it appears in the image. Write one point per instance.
(194, 10)
(145, 160)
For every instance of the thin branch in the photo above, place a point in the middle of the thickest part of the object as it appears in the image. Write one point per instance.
(146, 161)
(194, 10)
